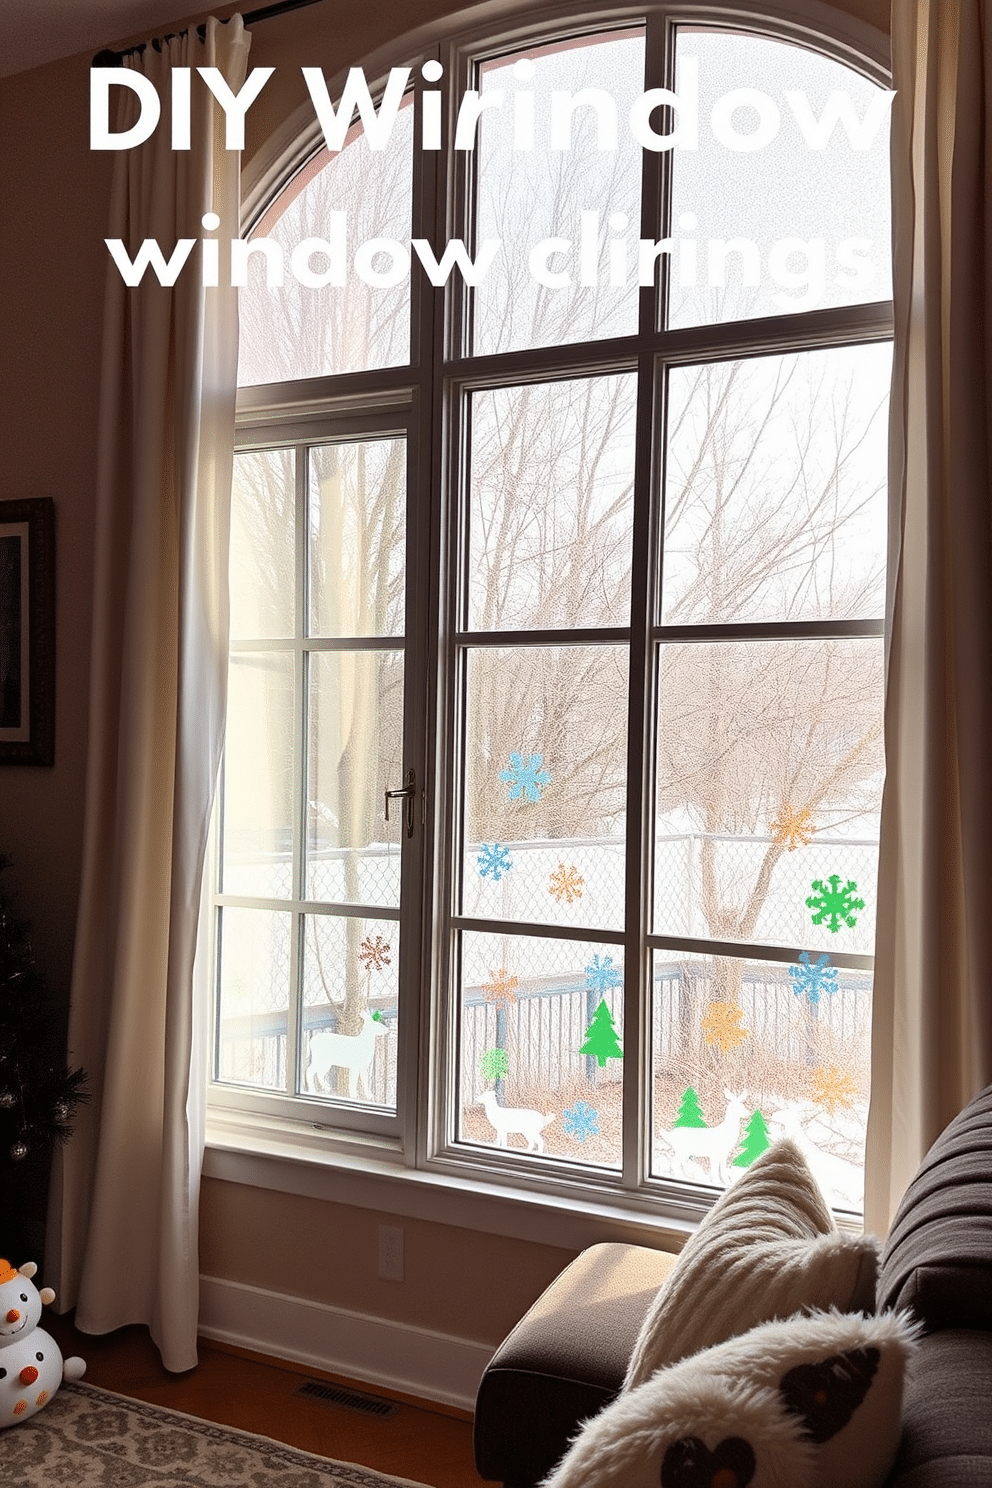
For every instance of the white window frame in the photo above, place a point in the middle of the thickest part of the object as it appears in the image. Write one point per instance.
(413, 1165)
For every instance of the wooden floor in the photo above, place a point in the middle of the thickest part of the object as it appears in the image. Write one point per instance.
(428, 1443)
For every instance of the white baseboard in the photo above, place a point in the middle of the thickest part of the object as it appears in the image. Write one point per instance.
(395, 1356)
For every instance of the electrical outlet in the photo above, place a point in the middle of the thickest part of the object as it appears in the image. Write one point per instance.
(391, 1252)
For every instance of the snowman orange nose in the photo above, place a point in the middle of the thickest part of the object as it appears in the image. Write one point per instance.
(13, 1315)
(28, 1375)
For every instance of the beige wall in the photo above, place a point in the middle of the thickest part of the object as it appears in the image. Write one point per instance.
(55, 196)
(456, 1281)
(52, 256)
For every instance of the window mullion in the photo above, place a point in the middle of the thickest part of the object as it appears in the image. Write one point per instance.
(656, 172)
(416, 879)
(294, 1014)
(424, 1048)
(639, 881)
(637, 1040)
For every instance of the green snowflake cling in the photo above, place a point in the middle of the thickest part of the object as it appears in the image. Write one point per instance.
(833, 905)
(527, 780)
(494, 1064)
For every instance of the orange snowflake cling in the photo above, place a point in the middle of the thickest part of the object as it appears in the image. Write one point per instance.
(793, 828)
(722, 1026)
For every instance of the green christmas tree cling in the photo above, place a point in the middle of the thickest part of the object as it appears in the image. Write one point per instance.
(601, 1037)
(494, 1064)
(756, 1141)
(690, 1111)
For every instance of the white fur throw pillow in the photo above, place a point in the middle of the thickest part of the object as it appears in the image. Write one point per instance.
(767, 1249)
(814, 1402)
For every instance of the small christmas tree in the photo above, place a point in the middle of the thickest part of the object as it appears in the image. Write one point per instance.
(601, 1037)
(690, 1111)
(756, 1141)
(38, 1093)
(494, 1064)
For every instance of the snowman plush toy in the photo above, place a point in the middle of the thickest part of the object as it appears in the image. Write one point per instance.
(31, 1363)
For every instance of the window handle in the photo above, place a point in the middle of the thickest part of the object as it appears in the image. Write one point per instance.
(407, 793)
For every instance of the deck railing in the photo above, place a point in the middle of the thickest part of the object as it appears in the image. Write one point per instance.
(543, 1029)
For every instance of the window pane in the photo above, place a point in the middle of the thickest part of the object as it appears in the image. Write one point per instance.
(541, 1046)
(775, 482)
(258, 775)
(809, 213)
(528, 193)
(254, 998)
(356, 737)
(262, 563)
(351, 996)
(544, 804)
(301, 329)
(769, 784)
(747, 1051)
(552, 481)
(357, 538)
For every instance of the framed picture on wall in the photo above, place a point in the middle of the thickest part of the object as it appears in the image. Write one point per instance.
(27, 632)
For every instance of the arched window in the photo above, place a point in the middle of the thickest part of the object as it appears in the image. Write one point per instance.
(559, 537)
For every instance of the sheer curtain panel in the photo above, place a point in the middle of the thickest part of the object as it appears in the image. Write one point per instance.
(123, 1222)
(932, 1036)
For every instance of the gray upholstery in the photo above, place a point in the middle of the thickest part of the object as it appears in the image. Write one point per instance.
(937, 1262)
(947, 1421)
(937, 1259)
(564, 1361)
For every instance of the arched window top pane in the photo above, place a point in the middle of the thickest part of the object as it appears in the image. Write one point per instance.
(342, 200)
(772, 210)
(556, 178)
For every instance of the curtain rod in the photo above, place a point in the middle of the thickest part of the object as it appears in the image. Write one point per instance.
(109, 58)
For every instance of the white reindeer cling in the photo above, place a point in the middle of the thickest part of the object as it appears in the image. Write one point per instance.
(842, 1181)
(715, 1143)
(351, 1051)
(518, 1119)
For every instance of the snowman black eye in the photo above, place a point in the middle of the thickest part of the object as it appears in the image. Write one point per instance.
(3, 1374)
(24, 1296)
(39, 1357)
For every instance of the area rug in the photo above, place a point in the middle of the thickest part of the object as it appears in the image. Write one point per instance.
(90, 1438)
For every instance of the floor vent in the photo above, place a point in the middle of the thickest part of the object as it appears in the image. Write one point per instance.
(356, 1400)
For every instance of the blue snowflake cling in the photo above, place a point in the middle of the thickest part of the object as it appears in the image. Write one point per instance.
(527, 780)
(580, 1121)
(833, 905)
(811, 978)
(493, 860)
(602, 974)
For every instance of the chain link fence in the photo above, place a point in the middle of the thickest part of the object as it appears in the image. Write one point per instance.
(544, 1018)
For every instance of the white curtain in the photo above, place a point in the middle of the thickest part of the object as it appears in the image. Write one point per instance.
(932, 1035)
(122, 1244)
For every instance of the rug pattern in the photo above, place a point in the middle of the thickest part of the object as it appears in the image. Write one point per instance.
(92, 1438)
